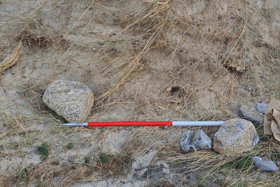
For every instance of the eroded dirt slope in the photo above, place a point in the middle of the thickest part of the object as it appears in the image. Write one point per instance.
(143, 60)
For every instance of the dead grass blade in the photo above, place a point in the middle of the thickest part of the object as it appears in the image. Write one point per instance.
(10, 61)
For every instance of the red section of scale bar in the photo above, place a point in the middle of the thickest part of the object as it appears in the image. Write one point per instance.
(130, 123)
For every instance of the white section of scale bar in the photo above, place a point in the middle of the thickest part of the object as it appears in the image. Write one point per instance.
(197, 123)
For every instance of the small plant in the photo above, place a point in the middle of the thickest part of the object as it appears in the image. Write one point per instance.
(44, 149)
(43, 157)
(70, 145)
(213, 153)
(219, 181)
(271, 174)
(200, 177)
(243, 162)
(73, 166)
(225, 174)
(40, 184)
(201, 184)
(240, 184)
(225, 166)
(104, 157)
(28, 168)
(172, 152)
(88, 159)
(179, 164)
(21, 174)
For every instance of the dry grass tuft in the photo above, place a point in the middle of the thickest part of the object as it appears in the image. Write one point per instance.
(144, 139)
(117, 166)
(133, 63)
(35, 41)
(12, 121)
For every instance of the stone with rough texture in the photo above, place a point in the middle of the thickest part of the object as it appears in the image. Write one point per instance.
(143, 161)
(235, 135)
(261, 107)
(69, 99)
(113, 183)
(264, 165)
(195, 140)
(249, 112)
(114, 142)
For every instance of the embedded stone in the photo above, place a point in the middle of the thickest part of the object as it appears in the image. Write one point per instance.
(264, 165)
(261, 107)
(250, 113)
(235, 135)
(194, 141)
(70, 99)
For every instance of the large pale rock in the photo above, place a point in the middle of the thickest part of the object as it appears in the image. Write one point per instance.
(250, 112)
(69, 99)
(195, 140)
(235, 135)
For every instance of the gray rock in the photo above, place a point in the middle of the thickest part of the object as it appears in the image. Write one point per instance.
(56, 180)
(261, 107)
(69, 99)
(113, 183)
(275, 61)
(114, 142)
(249, 112)
(195, 140)
(235, 135)
(259, 43)
(264, 165)
(93, 184)
(154, 173)
(143, 161)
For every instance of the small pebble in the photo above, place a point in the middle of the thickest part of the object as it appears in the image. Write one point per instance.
(194, 141)
(264, 165)
(249, 112)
